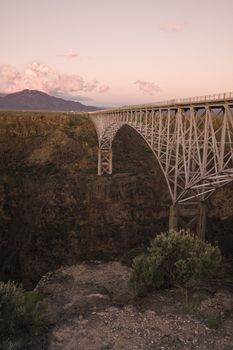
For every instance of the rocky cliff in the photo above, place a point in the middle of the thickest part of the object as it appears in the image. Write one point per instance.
(90, 307)
(55, 210)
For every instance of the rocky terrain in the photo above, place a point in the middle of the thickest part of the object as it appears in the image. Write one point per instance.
(90, 307)
(55, 210)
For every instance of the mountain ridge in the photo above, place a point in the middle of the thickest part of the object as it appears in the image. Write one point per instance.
(38, 100)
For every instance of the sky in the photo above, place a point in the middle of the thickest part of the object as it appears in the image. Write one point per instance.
(117, 52)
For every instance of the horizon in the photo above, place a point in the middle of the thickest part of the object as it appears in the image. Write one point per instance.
(215, 96)
(114, 54)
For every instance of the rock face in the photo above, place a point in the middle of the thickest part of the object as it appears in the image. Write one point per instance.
(55, 210)
(90, 307)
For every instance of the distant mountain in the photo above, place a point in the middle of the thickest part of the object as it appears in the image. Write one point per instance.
(38, 100)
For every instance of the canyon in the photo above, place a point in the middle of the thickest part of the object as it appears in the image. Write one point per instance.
(56, 211)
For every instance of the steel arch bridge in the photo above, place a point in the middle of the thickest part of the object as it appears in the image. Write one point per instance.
(192, 140)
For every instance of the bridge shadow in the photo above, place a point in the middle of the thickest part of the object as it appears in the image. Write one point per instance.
(132, 155)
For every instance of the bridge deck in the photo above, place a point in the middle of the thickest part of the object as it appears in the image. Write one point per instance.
(214, 100)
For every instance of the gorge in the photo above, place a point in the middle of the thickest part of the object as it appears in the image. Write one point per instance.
(56, 211)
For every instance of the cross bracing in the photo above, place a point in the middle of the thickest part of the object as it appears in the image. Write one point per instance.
(192, 140)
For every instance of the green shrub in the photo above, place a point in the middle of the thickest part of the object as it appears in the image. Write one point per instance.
(174, 258)
(33, 308)
(18, 308)
(10, 302)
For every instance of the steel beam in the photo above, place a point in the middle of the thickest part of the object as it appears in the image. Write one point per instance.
(192, 139)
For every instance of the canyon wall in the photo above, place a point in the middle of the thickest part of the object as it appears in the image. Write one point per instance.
(55, 210)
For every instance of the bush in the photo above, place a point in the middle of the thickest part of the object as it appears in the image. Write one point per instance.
(174, 258)
(18, 308)
(10, 301)
(33, 308)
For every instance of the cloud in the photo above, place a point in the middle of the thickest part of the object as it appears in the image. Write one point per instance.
(39, 76)
(173, 26)
(147, 87)
(7, 75)
(103, 88)
(70, 56)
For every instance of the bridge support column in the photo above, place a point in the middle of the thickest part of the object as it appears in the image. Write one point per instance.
(189, 216)
(201, 225)
(173, 217)
(104, 161)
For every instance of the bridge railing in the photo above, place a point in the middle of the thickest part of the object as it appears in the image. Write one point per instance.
(209, 98)
(197, 99)
(189, 100)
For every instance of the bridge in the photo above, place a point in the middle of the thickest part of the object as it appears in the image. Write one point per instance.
(191, 139)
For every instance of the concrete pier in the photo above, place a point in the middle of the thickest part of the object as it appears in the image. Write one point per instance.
(189, 216)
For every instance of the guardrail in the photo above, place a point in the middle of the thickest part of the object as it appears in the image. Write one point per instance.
(212, 97)
(196, 99)
(189, 100)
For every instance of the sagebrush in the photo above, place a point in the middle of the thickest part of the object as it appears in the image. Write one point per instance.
(174, 258)
(18, 309)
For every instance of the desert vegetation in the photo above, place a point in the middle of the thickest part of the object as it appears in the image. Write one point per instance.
(21, 312)
(174, 259)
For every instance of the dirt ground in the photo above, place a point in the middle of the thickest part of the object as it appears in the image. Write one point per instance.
(90, 307)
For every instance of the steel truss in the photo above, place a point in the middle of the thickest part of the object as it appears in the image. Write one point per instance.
(192, 140)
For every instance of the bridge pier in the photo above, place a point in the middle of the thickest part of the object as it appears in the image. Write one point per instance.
(201, 226)
(173, 217)
(189, 216)
(104, 161)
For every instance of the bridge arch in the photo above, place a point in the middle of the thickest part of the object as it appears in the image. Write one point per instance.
(106, 141)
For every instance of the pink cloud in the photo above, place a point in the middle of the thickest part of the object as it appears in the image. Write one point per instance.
(7, 75)
(42, 77)
(103, 88)
(173, 26)
(147, 87)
